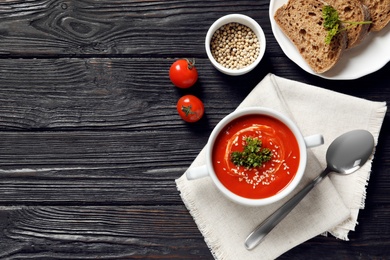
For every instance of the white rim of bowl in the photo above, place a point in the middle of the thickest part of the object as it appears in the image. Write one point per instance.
(302, 152)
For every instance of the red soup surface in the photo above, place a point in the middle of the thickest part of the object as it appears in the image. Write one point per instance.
(268, 179)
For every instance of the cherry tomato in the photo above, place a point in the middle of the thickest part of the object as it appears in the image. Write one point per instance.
(183, 73)
(190, 108)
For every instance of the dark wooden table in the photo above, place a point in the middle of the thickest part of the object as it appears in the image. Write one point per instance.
(91, 142)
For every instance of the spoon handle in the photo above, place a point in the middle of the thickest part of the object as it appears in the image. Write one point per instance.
(256, 237)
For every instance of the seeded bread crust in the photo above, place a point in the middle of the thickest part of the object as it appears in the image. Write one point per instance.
(353, 11)
(380, 13)
(302, 22)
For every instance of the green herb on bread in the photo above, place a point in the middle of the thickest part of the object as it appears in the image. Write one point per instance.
(333, 24)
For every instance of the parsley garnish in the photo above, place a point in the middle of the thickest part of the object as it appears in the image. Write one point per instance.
(332, 22)
(253, 155)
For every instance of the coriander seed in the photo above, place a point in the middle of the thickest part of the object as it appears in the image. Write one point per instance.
(234, 46)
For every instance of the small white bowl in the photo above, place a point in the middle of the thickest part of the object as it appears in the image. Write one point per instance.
(244, 20)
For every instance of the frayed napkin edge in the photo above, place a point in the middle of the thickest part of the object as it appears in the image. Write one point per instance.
(198, 219)
(374, 126)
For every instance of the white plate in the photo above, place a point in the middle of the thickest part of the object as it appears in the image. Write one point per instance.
(369, 56)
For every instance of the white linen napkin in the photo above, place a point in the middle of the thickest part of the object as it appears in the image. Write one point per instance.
(331, 206)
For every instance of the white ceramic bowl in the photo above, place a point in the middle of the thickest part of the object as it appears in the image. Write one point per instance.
(208, 169)
(244, 20)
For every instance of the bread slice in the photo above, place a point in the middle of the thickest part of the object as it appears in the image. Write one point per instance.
(353, 11)
(380, 13)
(302, 22)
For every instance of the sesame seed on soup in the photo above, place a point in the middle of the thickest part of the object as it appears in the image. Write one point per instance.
(269, 178)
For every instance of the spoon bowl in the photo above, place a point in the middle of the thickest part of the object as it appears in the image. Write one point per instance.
(346, 154)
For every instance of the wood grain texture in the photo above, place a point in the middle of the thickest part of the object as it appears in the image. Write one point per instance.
(121, 93)
(101, 93)
(84, 232)
(91, 143)
(111, 27)
(55, 232)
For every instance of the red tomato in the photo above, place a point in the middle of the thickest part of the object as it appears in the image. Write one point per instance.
(183, 73)
(190, 108)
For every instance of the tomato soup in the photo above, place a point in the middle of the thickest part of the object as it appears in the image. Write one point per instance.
(269, 178)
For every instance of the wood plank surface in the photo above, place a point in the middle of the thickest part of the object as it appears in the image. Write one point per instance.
(91, 143)
(87, 27)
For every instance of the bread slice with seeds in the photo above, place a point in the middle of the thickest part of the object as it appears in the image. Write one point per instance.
(302, 22)
(380, 13)
(353, 11)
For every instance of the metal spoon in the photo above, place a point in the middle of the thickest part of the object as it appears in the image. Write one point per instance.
(346, 154)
